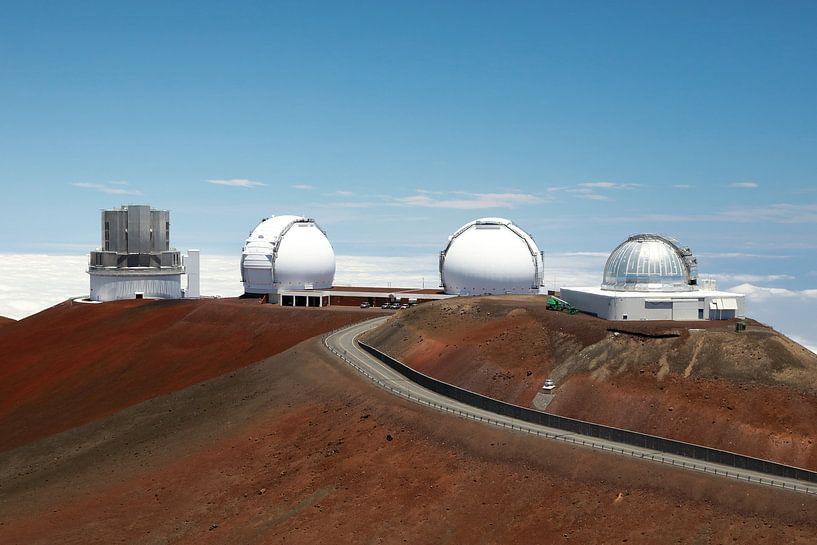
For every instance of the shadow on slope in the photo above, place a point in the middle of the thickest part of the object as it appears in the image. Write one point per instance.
(299, 449)
(75, 363)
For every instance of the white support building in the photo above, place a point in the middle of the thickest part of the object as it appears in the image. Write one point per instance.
(693, 305)
(192, 267)
(652, 277)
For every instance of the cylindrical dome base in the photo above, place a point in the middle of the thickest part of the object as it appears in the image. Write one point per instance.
(114, 286)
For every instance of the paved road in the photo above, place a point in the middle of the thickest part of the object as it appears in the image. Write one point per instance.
(342, 343)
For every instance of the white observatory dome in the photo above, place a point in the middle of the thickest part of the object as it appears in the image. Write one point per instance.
(490, 255)
(287, 252)
(649, 262)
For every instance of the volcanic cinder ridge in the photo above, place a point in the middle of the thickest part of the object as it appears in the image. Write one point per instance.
(228, 422)
(752, 392)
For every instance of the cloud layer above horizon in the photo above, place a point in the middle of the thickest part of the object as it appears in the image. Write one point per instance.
(789, 311)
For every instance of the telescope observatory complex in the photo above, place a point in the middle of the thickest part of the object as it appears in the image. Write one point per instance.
(653, 277)
(289, 261)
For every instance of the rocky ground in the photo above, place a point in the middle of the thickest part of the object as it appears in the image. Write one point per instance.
(75, 363)
(298, 448)
(753, 392)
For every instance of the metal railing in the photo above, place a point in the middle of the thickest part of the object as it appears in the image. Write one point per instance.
(584, 431)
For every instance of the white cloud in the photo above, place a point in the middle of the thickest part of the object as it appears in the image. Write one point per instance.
(589, 190)
(729, 277)
(63, 277)
(58, 279)
(788, 311)
(236, 182)
(221, 275)
(682, 186)
(112, 188)
(761, 293)
(744, 185)
(776, 213)
(605, 255)
(784, 213)
(469, 201)
(428, 199)
(380, 271)
(742, 255)
(573, 269)
(608, 185)
(590, 196)
(303, 187)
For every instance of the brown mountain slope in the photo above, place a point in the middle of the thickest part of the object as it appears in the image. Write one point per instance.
(75, 363)
(298, 449)
(6, 321)
(753, 392)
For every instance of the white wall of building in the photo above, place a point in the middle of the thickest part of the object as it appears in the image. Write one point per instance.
(123, 286)
(192, 266)
(695, 305)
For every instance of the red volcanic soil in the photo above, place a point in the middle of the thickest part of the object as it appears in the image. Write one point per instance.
(753, 392)
(6, 321)
(299, 449)
(75, 363)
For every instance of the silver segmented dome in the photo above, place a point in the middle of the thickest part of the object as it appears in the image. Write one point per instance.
(648, 262)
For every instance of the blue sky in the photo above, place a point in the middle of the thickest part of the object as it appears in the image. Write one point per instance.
(394, 123)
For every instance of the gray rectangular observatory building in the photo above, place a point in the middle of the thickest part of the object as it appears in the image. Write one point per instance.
(135, 236)
(135, 256)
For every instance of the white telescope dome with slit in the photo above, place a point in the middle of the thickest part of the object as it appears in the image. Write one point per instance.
(287, 252)
(648, 262)
(490, 256)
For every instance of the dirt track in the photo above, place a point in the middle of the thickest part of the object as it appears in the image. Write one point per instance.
(296, 449)
(753, 392)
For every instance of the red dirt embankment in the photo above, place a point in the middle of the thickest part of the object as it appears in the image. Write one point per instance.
(753, 392)
(299, 449)
(75, 363)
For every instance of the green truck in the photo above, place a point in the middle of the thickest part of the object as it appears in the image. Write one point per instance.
(554, 303)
